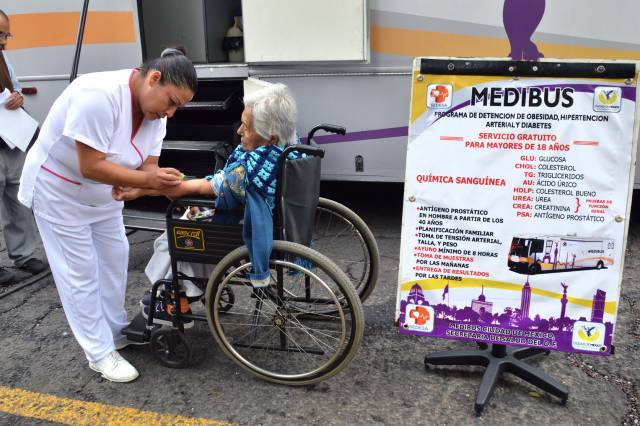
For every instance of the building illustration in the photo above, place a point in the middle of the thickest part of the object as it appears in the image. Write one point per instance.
(482, 312)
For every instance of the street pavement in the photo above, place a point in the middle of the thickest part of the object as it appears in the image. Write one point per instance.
(385, 383)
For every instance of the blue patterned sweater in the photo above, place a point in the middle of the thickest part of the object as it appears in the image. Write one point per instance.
(250, 178)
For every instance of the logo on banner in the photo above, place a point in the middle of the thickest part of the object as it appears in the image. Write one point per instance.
(607, 99)
(588, 336)
(439, 96)
(419, 318)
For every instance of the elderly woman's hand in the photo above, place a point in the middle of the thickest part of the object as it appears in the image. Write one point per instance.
(125, 193)
(192, 212)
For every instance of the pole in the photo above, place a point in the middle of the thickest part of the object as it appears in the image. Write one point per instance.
(76, 57)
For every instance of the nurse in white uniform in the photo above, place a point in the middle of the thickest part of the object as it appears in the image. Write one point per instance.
(105, 130)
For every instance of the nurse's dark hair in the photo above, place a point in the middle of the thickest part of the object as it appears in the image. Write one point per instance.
(175, 68)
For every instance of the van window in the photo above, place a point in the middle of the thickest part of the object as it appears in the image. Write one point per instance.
(199, 25)
(520, 247)
(537, 246)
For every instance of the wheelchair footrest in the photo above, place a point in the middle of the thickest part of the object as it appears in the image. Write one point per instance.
(137, 329)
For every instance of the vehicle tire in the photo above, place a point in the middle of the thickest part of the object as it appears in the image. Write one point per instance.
(600, 264)
(338, 229)
(170, 347)
(535, 268)
(282, 333)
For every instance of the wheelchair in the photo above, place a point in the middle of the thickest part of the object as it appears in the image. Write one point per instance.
(304, 327)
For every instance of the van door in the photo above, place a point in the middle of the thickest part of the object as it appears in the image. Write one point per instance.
(277, 31)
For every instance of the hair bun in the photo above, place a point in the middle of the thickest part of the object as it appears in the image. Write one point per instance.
(173, 51)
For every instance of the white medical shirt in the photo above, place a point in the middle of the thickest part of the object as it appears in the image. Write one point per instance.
(96, 110)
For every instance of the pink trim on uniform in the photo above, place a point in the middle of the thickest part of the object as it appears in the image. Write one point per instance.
(61, 177)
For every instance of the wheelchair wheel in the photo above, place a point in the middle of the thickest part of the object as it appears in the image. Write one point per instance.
(282, 333)
(339, 229)
(170, 347)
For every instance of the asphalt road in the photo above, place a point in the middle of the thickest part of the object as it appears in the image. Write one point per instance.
(385, 383)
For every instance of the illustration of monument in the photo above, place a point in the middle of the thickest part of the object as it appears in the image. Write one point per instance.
(563, 302)
(480, 305)
(525, 300)
(521, 19)
(415, 297)
(597, 308)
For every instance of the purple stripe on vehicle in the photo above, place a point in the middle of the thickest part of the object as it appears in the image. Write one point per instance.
(392, 132)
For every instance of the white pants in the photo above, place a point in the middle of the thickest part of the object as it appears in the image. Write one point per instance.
(89, 265)
(159, 267)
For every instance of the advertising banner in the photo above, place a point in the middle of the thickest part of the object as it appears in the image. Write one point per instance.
(517, 195)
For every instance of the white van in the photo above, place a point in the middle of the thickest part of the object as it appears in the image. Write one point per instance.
(555, 253)
(347, 61)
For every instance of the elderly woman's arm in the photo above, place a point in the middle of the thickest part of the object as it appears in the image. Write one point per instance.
(195, 187)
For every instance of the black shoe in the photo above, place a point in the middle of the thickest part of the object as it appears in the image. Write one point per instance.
(162, 317)
(146, 299)
(34, 266)
(6, 277)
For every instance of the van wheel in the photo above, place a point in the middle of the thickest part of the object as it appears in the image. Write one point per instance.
(535, 268)
(600, 264)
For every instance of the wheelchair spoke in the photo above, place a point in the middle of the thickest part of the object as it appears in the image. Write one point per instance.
(333, 230)
(317, 340)
(245, 323)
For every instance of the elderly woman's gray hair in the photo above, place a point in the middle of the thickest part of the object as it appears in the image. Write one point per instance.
(274, 113)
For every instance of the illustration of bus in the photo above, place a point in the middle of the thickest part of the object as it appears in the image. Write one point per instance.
(556, 253)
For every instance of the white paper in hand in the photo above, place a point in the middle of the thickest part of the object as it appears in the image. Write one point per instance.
(16, 126)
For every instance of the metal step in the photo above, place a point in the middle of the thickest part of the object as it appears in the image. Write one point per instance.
(137, 331)
(144, 220)
(192, 145)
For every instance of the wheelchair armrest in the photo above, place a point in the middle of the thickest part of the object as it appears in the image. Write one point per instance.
(187, 202)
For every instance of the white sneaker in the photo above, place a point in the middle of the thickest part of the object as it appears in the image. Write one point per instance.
(115, 368)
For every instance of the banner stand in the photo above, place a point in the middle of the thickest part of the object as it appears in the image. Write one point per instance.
(517, 196)
(500, 359)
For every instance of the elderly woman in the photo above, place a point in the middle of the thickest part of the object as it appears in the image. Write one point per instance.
(268, 124)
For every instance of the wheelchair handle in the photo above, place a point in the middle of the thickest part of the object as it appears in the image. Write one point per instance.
(305, 149)
(330, 128)
(187, 202)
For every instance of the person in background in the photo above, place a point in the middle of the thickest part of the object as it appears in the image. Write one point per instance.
(17, 221)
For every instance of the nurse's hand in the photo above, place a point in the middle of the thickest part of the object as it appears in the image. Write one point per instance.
(163, 177)
(15, 101)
